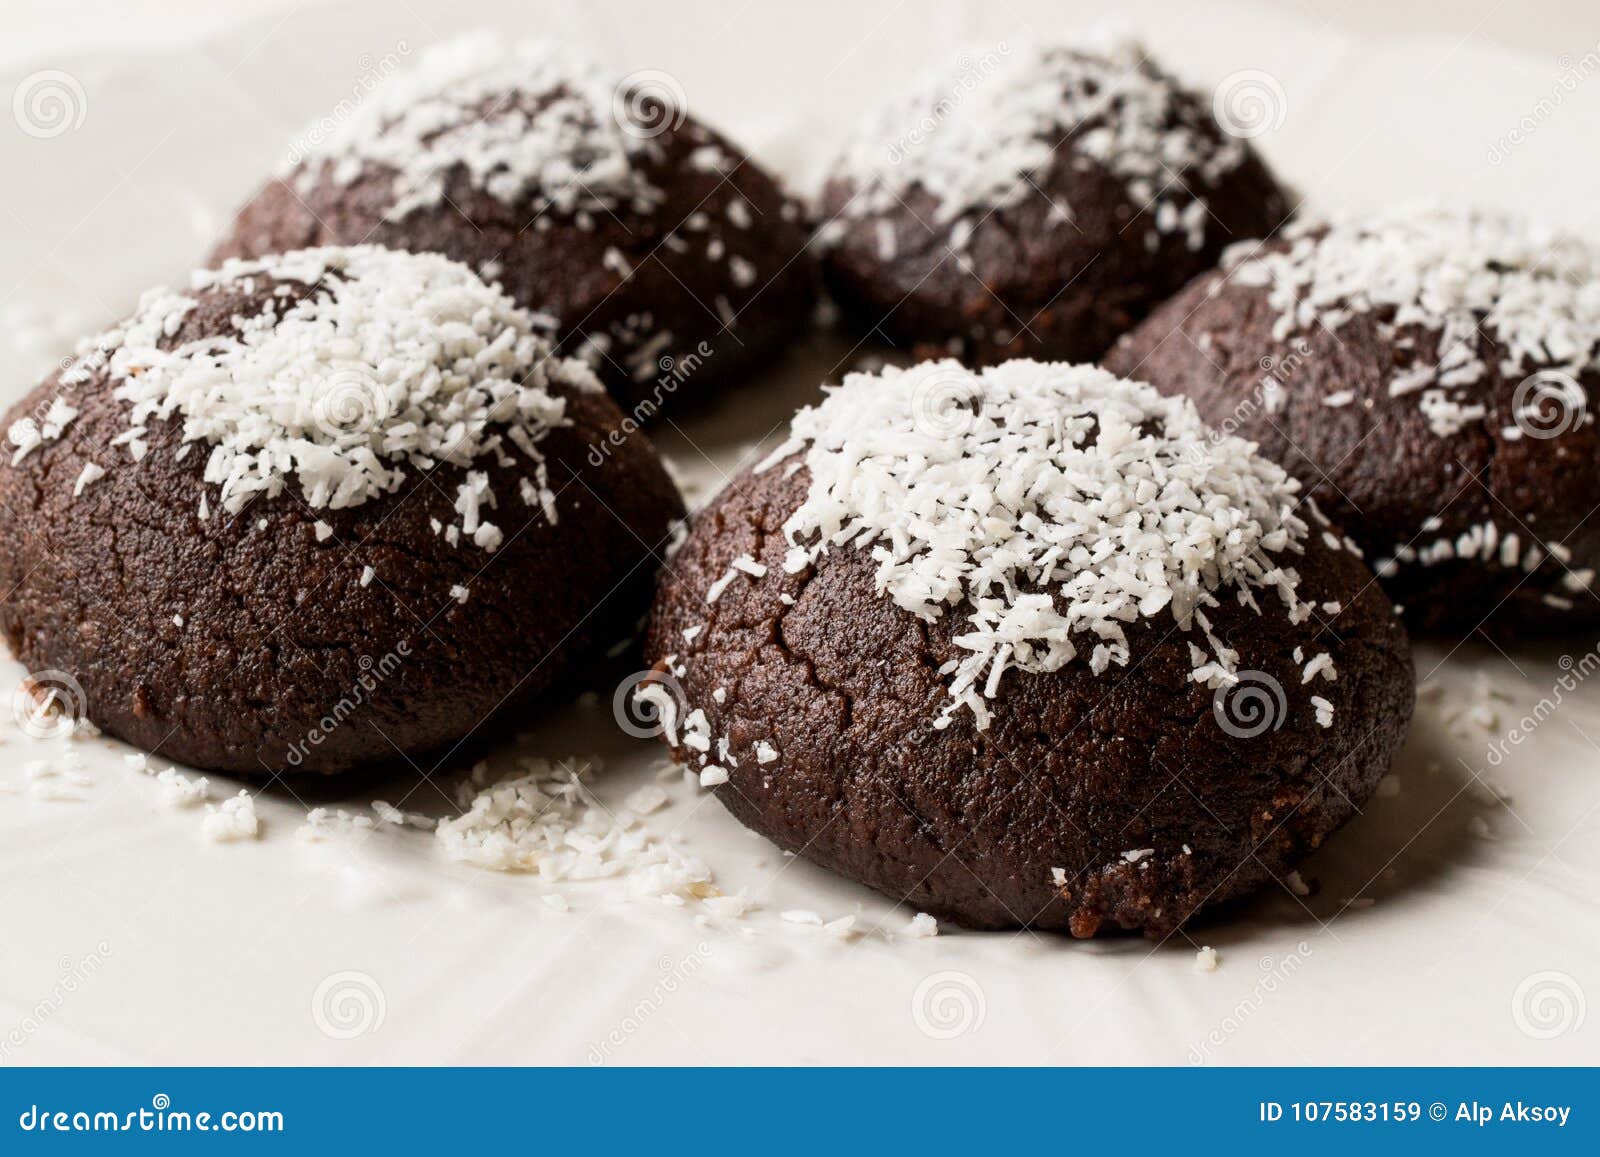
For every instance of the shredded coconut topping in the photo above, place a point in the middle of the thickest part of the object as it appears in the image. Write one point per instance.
(1053, 504)
(972, 135)
(523, 119)
(362, 362)
(1452, 274)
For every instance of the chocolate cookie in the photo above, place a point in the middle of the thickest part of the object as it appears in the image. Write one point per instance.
(1428, 375)
(1030, 648)
(324, 511)
(662, 254)
(1036, 201)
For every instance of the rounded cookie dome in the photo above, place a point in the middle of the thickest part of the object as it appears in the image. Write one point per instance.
(1036, 200)
(1028, 647)
(1429, 375)
(658, 250)
(326, 510)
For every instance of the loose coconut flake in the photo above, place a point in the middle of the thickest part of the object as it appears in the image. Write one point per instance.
(1324, 710)
(1052, 504)
(28, 435)
(234, 819)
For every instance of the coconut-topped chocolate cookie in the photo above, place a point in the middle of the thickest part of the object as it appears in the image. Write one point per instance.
(1030, 646)
(661, 253)
(329, 509)
(1036, 200)
(1429, 375)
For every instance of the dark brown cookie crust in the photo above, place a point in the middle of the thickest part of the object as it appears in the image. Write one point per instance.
(1037, 286)
(562, 270)
(278, 635)
(1375, 465)
(1075, 768)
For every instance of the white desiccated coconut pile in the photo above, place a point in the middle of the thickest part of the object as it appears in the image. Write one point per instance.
(523, 119)
(365, 361)
(972, 134)
(1449, 273)
(1053, 504)
(547, 821)
(233, 819)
